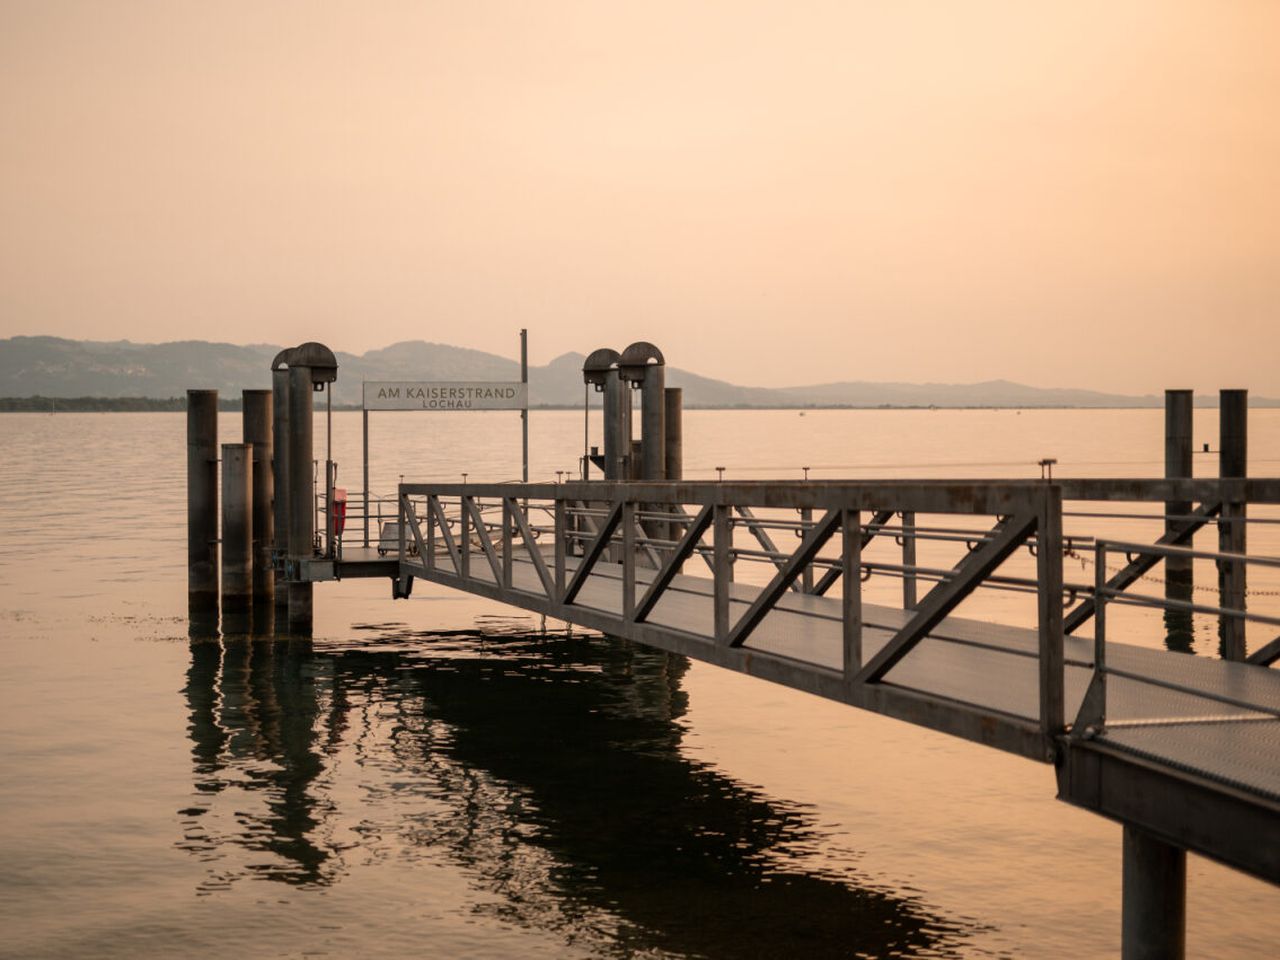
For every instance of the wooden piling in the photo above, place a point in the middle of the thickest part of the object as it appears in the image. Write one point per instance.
(635, 465)
(202, 511)
(673, 433)
(237, 536)
(1233, 463)
(1178, 583)
(258, 432)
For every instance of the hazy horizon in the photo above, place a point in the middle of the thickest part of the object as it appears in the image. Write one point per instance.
(1083, 195)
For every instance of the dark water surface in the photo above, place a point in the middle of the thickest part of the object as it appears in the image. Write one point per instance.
(439, 777)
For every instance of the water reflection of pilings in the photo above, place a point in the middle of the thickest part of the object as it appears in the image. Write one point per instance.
(253, 707)
(552, 770)
(688, 860)
(1179, 635)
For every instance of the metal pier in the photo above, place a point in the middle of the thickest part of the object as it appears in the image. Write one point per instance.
(1183, 750)
(769, 579)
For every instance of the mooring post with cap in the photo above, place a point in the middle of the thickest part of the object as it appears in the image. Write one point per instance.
(600, 370)
(643, 366)
(301, 509)
(202, 511)
(280, 487)
(617, 426)
(312, 367)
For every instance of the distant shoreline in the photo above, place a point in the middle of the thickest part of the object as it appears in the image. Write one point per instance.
(231, 405)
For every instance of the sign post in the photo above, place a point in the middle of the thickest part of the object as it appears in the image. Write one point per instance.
(449, 396)
(524, 413)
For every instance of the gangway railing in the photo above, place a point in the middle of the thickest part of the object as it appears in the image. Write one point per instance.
(598, 527)
(1092, 719)
(543, 545)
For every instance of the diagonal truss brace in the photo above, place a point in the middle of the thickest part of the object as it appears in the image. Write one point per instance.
(1005, 537)
(539, 563)
(869, 531)
(814, 540)
(438, 518)
(482, 534)
(1139, 566)
(763, 538)
(1266, 655)
(668, 571)
(411, 516)
(594, 552)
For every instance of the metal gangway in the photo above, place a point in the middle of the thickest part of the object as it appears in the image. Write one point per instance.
(1181, 748)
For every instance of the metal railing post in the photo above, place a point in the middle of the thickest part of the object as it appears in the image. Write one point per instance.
(403, 527)
(506, 543)
(908, 559)
(464, 528)
(851, 600)
(330, 520)
(432, 507)
(806, 576)
(561, 543)
(722, 571)
(1100, 627)
(628, 560)
(1049, 580)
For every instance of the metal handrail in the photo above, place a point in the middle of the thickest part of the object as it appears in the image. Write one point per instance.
(1092, 716)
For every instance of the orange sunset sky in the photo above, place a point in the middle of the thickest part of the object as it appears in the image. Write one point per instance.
(1066, 194)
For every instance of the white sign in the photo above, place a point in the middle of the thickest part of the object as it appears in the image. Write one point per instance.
(444, 395)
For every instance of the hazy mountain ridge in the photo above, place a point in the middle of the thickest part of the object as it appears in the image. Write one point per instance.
(55, 367)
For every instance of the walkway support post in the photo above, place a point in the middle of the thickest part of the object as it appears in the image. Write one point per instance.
(280, 487)
(202, 511)
(237, 536)
(258, 432)
(1233, 462)
(1177, 465)
(1154, 908)
(1049, 602)
(301, 510)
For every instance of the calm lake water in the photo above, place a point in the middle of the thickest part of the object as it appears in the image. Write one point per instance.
(440, 777)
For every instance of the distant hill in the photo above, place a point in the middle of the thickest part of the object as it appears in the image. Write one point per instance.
(53, 367)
